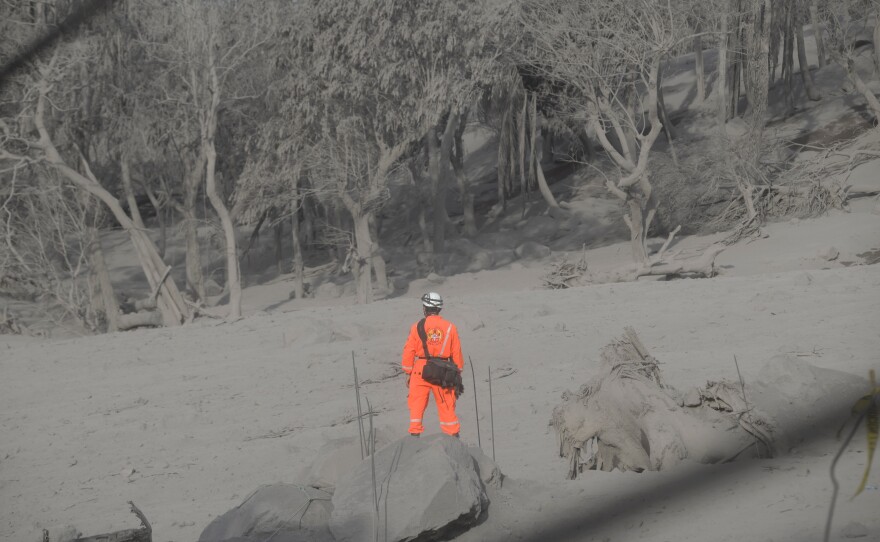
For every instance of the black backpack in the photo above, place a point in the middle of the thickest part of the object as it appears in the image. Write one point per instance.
(439, 371)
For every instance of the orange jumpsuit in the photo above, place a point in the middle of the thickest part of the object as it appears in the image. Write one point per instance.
(442, 342)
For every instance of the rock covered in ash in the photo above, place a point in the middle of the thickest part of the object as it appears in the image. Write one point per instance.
(284, 512)
(431, 488)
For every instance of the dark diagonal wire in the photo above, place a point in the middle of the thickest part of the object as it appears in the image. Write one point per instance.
(87, 10)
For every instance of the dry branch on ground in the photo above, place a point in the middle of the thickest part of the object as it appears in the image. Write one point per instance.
(142, 534)
(566, 274)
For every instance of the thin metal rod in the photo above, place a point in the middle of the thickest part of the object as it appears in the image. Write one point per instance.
(491, 413)
(373, 470)
(476, 403)
(742, 384)
(357, 396)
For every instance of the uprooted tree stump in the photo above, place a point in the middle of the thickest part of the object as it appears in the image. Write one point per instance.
(628, 419)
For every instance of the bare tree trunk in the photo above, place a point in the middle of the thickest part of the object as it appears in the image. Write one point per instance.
(195, 279)
(736, 86)
(160, 216)
(342, 225)
(699, 67)
(379, 267)
(721, 85)
(209, 129)
(539, 169)
(738, 52)
(255, 235)
(531, 181)
(788, 56)
(129, 193)
(583, 135)
(521, 151)
(362, 264)
(439, 162)
(876, 37)
(817, 32)
(461, 177)
(426, 232)
(233, 277)
(637, 233)
(501, 167)
(298, 261)
(757, 86)
(99, 269)
(437, 231)
(308, 223)
(421, 202)
(278, 230)
(857, 81)
(806, 76)
(758, 80)
(664, 118)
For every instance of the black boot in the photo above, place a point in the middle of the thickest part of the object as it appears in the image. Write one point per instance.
(414, 435)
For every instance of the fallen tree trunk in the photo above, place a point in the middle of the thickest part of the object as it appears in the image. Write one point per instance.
(702, 266)
(139, 319)
(568, 275)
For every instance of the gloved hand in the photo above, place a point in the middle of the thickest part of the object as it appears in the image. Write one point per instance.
(407, 380)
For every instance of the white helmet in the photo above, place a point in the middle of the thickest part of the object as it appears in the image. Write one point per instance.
(432, 300)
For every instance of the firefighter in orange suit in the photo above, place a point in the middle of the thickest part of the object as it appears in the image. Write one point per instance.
(443, 342)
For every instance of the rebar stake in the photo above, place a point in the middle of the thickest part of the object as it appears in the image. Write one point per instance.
(491, 413)
(476, 403)
(357, 396)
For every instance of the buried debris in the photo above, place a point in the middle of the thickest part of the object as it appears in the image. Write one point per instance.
(568, 275)
(628, 419)
(143, 534)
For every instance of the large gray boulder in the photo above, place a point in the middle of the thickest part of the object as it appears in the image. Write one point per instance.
(428, 488)
(792, 390)
(284, 512)
(338, 458)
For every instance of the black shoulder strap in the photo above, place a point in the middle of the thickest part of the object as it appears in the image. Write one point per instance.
(420, 327)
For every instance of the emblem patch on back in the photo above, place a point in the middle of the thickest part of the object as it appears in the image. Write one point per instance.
(434, 335)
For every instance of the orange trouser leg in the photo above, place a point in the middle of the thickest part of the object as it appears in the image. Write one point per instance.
(418, 402)
(445, 399)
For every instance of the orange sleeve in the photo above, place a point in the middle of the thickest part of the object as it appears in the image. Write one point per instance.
(413, 343)
(455, 349)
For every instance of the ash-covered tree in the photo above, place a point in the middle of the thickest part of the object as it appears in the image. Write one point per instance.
(271, 185)
(847, 26)
(395, 75)
(204, 50)
(601, 62)
(55, 113)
